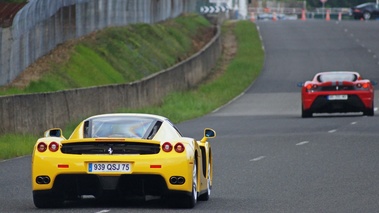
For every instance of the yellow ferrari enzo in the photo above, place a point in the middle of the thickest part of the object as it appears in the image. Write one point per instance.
(121, 155)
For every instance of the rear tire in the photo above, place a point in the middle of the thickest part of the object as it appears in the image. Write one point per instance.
(369, 111)
(47, 202)
(205, 196)
(305, 113)
(366, 15)
(191, 200)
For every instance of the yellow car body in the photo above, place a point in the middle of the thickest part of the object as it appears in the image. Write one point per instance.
(121, 155)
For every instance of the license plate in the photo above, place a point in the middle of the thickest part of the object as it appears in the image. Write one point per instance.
(337, 97)
(109, 167)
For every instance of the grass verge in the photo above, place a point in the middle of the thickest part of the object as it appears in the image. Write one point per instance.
(181, 106)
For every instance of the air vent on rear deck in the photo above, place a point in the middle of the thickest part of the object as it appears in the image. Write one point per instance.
(110, 148)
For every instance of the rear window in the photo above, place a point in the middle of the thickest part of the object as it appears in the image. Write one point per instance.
(119, 127)
(325, 77)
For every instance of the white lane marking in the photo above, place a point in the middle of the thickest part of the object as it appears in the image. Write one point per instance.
(258, 158)
(353, 123)
(376, 108)
(302, 143)
(332, 131)
(10, 159)
(103, 211)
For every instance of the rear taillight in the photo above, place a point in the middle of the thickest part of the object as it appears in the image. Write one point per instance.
(179, 148)
(41, 147)
(53, 146)
(311, 86)
(167, 147)
(364, 85)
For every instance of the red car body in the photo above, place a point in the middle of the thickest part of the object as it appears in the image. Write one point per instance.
(337, 91)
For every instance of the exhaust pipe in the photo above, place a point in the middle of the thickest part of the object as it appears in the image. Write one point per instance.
(177, 180)
(173, 180)
(181, 180)
(43, 179)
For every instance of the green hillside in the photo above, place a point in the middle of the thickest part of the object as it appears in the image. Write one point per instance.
(117, 55)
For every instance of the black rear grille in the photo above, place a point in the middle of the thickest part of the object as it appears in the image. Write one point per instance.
(336, 88)
(110, 148)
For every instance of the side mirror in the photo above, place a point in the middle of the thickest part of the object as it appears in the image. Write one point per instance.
(374, 83)
(208, 133)
(56, 132)
(300, 84)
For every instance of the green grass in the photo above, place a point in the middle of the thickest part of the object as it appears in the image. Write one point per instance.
(181, 106)
(14, 145)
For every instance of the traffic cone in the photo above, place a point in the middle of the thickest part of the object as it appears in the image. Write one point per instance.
(274, 18)
(327, 15)
(252, 17)
(303, 16)
(339, 16)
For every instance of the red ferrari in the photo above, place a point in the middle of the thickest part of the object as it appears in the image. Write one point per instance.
(337, 91)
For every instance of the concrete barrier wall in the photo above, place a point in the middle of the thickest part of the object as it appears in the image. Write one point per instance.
(35, 113)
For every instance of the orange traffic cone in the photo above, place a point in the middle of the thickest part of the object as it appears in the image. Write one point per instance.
(327, 15)
(303, 16)
(252, 17)
(274, 18)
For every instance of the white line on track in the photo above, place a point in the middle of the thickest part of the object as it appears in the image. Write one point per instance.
(353, 123)
(258, 158)
(332, 131)
(103, 211)
(12, 159)
(302, 143)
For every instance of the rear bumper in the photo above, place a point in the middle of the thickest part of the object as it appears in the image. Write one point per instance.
(319, 103)
(72, 187)
(150, 175)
